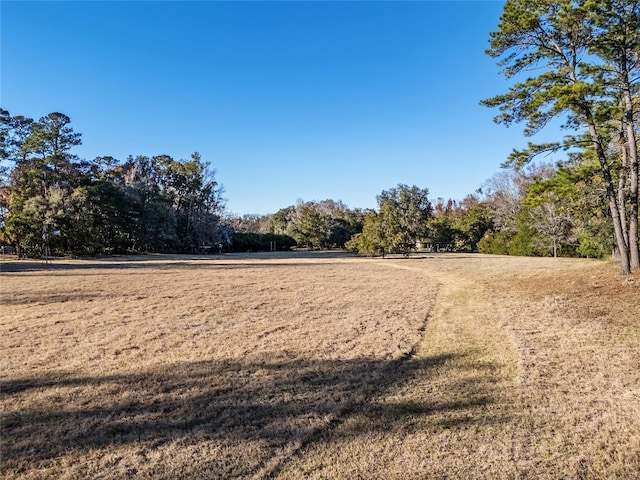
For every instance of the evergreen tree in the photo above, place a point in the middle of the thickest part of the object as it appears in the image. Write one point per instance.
(585, 56)
(400, 223)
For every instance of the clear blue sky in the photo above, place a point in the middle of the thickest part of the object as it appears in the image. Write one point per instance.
(287, 100)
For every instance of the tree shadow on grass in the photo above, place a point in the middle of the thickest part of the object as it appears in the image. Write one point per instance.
(171, 261)
(268, 403)
(228, 260)
(63, 268)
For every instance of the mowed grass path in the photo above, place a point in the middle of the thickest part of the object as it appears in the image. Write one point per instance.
(319, 365)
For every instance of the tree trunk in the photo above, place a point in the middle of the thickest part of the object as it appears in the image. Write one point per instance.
(614, 208)
(623, 187)
(634, 249)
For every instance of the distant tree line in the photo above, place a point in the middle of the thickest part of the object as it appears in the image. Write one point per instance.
(52, 202)
(539, 210)
(311, 224)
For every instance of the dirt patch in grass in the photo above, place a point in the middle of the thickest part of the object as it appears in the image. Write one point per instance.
(319, 365)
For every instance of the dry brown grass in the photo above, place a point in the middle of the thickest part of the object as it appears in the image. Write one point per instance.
(319, 366)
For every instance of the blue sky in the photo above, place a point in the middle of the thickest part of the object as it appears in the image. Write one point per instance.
(286, 100)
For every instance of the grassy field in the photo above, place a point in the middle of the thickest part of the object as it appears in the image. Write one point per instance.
(319, 365)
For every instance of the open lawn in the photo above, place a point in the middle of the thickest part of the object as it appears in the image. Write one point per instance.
(319, 365)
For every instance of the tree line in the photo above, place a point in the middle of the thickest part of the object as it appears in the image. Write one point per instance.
(576, 61)
(50, 199)
(52, 202)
